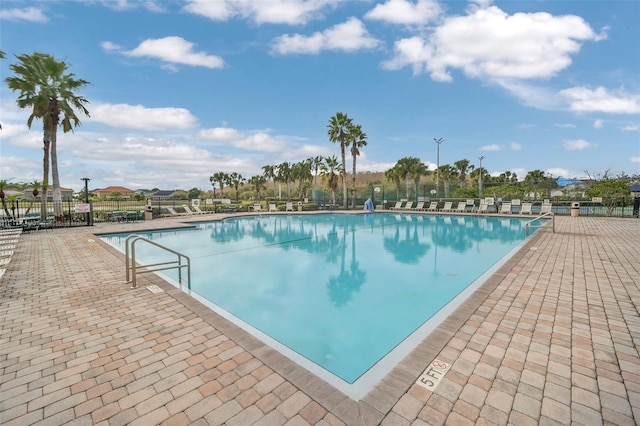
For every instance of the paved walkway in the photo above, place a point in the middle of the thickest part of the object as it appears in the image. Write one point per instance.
(552, 338)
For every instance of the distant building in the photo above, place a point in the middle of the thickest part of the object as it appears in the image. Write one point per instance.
(67, 194)
(635, 190)
(108, 192)
(166, 194)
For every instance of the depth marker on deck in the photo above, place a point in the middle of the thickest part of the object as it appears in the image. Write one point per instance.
(154, 289)
(431, 377)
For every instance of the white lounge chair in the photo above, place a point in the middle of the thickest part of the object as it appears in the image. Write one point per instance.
(505, 208)
(174, 212)
(408, 205)
(289, 207)
(462, 207)
(199, 211)
(447, 207)
(433, 206)
(256, 207)
(191, 212)
(419, 206)
(398, 206)
(526, 208)
(272, 207)
(484, 208)
(545, 208)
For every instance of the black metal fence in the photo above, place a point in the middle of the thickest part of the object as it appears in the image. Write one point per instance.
(26, 214)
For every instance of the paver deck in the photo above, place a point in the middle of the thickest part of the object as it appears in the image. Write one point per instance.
(552, 338)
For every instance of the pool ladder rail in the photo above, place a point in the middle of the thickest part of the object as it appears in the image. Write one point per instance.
(132, 267)
(546, 215)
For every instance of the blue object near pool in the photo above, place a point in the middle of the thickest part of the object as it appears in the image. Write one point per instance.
(339, 290)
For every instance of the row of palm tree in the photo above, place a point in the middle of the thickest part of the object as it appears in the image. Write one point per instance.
(45, 86)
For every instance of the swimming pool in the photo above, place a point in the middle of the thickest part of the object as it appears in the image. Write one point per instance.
(339, 290)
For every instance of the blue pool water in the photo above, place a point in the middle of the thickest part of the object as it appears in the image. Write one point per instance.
(340, 290)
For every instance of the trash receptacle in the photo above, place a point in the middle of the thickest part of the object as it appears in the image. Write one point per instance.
(575, 209)
(148, 213)
(299, 206)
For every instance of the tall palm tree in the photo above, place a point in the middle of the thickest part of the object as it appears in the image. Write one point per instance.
(462, 166)
(447, 174)
(358, 140)
(269, 172)
(285, 174)
(316, 163)
(45, 86)
(302, 172)
(236, 180)
(221, 178)
(258, 182)
(412, 169)
(395, 174)
(339, 127)
(330, 170)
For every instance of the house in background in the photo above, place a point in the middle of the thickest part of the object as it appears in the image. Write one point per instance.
(110, 191)
(161, 195)
(67, 194)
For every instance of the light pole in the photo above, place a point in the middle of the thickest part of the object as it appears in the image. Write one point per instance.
(480, 176)
(86, 199)
(438, 141)
(213, 184)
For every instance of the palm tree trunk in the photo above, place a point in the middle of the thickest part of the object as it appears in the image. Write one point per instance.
(45, 178)
(344, 174)
(353, 184)
(57, 194)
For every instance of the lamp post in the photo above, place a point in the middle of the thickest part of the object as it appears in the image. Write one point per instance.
(86, 198)
(480, 176)
(438, 141)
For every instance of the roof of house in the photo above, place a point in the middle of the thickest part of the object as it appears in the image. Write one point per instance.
(635, 187)
(114, 189)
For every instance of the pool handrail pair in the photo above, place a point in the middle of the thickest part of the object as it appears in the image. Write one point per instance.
(131, 264)
(547, 215)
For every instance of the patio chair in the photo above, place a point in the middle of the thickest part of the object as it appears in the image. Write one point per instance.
(174, 213)
(419, 206)
(505, 208)
(188, 210)
(398, 206)
(199, 211)
(526, 208)
(256, 207)
(289, 207)
(433, 207)
(462, 207)
(484, 208)
(545, 208)
(408, 205)
(447, 207)
(272, 207)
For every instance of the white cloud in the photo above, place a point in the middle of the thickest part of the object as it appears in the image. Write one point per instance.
(142, 118)
(175, 50)
(293, 12)
(566, 126)
(349, 36)
(30, 14)
(123, 5)
(489, 43)
(515, 146)
(583, 99)
(405, 12)
(578, 145)
(493, 147)
(597, 124)
(631, 128)
(110, 46)
(635, 159)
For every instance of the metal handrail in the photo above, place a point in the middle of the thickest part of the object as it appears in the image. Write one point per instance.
(132, 266)
(542, 216)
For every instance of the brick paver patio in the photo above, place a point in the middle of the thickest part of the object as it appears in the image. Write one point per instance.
(552, 338)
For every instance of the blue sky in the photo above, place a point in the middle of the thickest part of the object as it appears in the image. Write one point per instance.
(183, 89)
